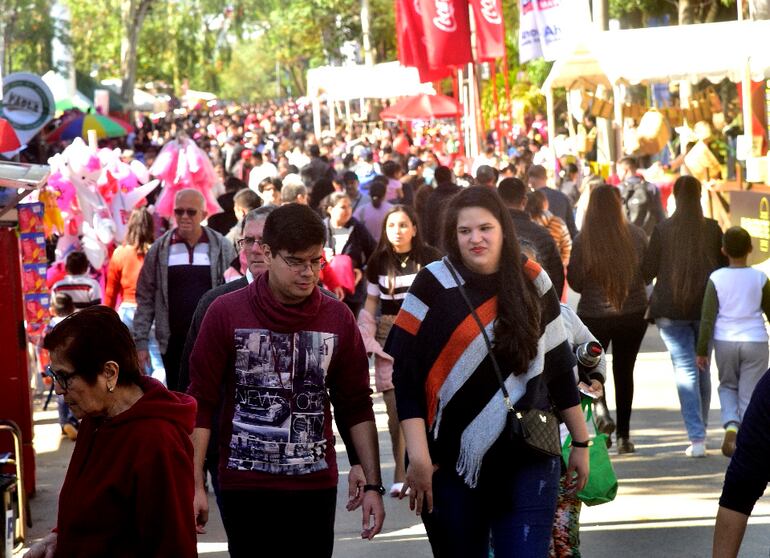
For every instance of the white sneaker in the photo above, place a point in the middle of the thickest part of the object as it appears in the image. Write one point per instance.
(696, 449)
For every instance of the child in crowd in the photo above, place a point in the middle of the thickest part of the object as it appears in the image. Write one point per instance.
(735, 298)
(82, 289)
(61, 307)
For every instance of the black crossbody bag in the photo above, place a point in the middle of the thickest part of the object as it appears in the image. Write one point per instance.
(538, 429)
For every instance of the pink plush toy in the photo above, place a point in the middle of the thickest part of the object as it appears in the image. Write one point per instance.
(181, 164)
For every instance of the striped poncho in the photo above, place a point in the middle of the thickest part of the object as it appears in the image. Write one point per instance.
(443, 373)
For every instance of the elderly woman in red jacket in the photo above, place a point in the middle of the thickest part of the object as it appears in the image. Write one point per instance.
(129, 487)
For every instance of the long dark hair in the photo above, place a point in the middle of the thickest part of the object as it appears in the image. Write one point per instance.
(517, 328)
(384, 257)
(690, 262)
(609, 256)
(141, 230)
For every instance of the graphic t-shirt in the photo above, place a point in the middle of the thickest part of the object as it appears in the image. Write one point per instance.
(280, 396)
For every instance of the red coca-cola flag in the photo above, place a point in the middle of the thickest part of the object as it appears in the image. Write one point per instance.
(411, 41)
(446, 31)
(490, 33)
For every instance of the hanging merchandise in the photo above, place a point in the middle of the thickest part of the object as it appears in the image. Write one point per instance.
(34, 266)
(653, 133)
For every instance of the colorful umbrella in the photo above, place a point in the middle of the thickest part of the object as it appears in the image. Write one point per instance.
(78, 126)
(422, 107)
(9, 141)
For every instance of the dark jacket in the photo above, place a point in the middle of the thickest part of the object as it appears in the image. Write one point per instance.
(658, 261)
(642, 204)
(541, 240)
(559, 205)
(593, 300)
(748, 473)
(432, 217)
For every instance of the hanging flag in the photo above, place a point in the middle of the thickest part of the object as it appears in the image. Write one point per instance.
(548, 27)
(490, 33)
(447, 33)
(411, 46)
(529, 35)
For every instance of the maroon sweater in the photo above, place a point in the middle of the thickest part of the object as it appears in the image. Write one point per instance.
(129, 486)
(275, 369)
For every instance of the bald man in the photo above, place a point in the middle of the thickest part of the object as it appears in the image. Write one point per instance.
(180, 266)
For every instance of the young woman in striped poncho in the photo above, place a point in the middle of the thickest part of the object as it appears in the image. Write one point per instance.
(466, 475)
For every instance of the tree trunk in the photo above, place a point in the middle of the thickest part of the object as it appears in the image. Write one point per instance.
(713, 11)
(686, 10)
(133, 13)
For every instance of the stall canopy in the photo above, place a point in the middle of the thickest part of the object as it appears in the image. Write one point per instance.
(422, 107)
(380, 81)
(712, 51)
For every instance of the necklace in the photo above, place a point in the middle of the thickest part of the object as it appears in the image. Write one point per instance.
(402, 262)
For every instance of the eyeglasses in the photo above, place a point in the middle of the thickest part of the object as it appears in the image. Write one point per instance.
(247, 242)
(298, 266)
(61, 378)
(180, 211)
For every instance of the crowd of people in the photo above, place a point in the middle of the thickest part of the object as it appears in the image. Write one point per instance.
(448, 274)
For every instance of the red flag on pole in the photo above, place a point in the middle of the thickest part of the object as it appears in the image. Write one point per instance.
(490, 33)
(411, 46)
(446, 31)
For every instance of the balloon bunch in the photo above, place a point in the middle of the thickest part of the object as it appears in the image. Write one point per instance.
(89, 197)
(181, 164)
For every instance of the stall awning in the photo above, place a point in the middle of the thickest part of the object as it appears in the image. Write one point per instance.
(712, 51)
(381, 81)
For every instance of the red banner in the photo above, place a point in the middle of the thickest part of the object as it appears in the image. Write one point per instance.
(490, 33)
(446, 32)
(411, 46)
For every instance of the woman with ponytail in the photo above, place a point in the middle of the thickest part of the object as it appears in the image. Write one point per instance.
(373, 214)
(683, 252)
(468, 474)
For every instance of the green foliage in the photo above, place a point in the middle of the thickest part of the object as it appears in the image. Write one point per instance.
(28, 30)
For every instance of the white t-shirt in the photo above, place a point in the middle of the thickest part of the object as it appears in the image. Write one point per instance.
(739, 318)
(258, 174)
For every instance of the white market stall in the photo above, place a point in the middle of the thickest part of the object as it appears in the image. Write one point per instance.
(346, 83)
(687, 53)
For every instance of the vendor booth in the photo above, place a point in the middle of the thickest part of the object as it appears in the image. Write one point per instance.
(597, 71)
(347, 83)
(687, 53)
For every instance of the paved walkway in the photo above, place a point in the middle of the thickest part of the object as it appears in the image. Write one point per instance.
(665, 506)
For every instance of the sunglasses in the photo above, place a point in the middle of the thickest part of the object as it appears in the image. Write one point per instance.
(179, 212)
(61, 378)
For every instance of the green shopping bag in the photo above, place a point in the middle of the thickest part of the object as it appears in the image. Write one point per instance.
(602, 485)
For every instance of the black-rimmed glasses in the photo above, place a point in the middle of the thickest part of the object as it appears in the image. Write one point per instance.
(298, 266)
(61, 378)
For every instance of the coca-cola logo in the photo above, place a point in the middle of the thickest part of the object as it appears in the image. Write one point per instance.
(445, 16)
(490, 12)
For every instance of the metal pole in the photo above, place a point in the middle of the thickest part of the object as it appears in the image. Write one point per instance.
(365, 39)
(746, 89)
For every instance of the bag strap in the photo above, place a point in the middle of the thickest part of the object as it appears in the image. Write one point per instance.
(495, 364)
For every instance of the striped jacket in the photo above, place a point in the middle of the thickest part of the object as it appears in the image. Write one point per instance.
(443, 373)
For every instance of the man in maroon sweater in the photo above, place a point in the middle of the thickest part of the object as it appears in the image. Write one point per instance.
(273, 356)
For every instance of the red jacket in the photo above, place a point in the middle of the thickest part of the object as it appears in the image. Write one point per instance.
(129, 486)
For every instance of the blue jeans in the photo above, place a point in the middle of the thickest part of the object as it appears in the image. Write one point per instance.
(126, 313)
(693, 386)
(65, 415)
(518, 509)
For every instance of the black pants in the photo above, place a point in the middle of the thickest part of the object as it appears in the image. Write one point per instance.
(172, 359)
(279, 522)
(625, 334)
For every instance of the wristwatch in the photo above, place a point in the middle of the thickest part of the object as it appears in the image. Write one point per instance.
(586, 444)
(378, 488)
